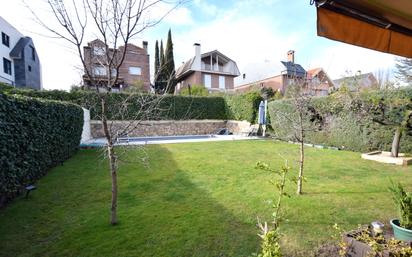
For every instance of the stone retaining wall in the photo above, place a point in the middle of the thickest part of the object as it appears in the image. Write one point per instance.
(170, 127)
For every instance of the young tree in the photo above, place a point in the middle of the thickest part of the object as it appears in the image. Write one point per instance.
(297, 118)
(115, 23)
(270, 246)
(403, 70)
(170, 64)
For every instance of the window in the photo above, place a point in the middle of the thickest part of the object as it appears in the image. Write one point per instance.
(29, 68)
(208, 81)
(222, 82)
(99, 50)
(33, 53)
(7, 66)
(135, 71)
(99, 71)
(5, 39)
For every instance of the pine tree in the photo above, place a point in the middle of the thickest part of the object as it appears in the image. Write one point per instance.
(157, 60)
(170, 64)
(160, 74)
(162, 55)
(404, 69)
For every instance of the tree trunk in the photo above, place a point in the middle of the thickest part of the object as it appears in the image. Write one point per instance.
(301, 161)
(113, 171)
(396, 141)
(112, 163)
(302, 154)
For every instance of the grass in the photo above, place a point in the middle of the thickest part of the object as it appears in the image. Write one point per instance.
(197, 199)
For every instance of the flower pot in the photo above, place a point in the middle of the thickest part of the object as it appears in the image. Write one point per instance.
(399, 232)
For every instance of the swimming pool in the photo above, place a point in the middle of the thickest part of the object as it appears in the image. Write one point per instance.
(99, 142)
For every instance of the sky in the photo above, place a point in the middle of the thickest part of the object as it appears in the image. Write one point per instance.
(247, 31)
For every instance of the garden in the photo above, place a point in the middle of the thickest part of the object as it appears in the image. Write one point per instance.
(201, 199)
(197, 199)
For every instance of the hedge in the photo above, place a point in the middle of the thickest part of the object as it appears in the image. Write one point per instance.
(35, 135)
(343, 125)
(170, 107)
(243, 106)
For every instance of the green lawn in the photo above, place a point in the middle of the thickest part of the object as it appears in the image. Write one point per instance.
(197, 199)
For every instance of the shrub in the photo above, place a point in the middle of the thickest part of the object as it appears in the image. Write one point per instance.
(168, 107)
(5, 87)
(243, 106)
(403, 201)
(171, 107)
(35, 135)
(344, 122)
(195, 90)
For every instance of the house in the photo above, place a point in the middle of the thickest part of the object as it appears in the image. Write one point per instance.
(281, 74)
(321, 83)
(357, 82)
(212, 70)
(276, 76)
(134, 70)
(21, 64)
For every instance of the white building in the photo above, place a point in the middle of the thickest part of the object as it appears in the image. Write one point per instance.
(20, 64)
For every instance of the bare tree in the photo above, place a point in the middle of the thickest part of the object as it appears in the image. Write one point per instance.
(297, 118)
(403, 70)
(383, 79)
(114, 23)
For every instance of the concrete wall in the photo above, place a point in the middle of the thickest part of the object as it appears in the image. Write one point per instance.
(171, 128)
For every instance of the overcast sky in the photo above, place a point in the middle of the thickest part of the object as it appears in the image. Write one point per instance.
(246, 31)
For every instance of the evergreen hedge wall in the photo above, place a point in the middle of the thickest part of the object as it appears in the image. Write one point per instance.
(344, 123)
(243, 106)
(170, 107)
(35, 135)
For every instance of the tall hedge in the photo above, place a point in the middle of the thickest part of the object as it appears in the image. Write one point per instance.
(35, 135)
(167, 107)
(243, 106)
(173, 107)
(345, 124)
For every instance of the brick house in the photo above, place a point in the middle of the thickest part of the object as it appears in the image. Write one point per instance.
(322, 84)
(135, 68)
(279, 75)
(212, 70)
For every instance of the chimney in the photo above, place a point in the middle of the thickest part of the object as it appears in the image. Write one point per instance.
(197, 63)
(145, 45)
(291, 56)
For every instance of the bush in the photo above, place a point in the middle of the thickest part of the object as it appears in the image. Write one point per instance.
(5, 87)
(171, 107)
(168, 107)
(35, 135)
(195, 90)
(243, 106)
(343, 126)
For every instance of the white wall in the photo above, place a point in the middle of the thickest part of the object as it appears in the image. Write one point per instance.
(5, 51)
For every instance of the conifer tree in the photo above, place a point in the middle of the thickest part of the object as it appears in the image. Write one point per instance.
(157, 60)
(162, 54)
(170, 65)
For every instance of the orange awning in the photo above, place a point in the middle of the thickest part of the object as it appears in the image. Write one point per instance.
(380, 25)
